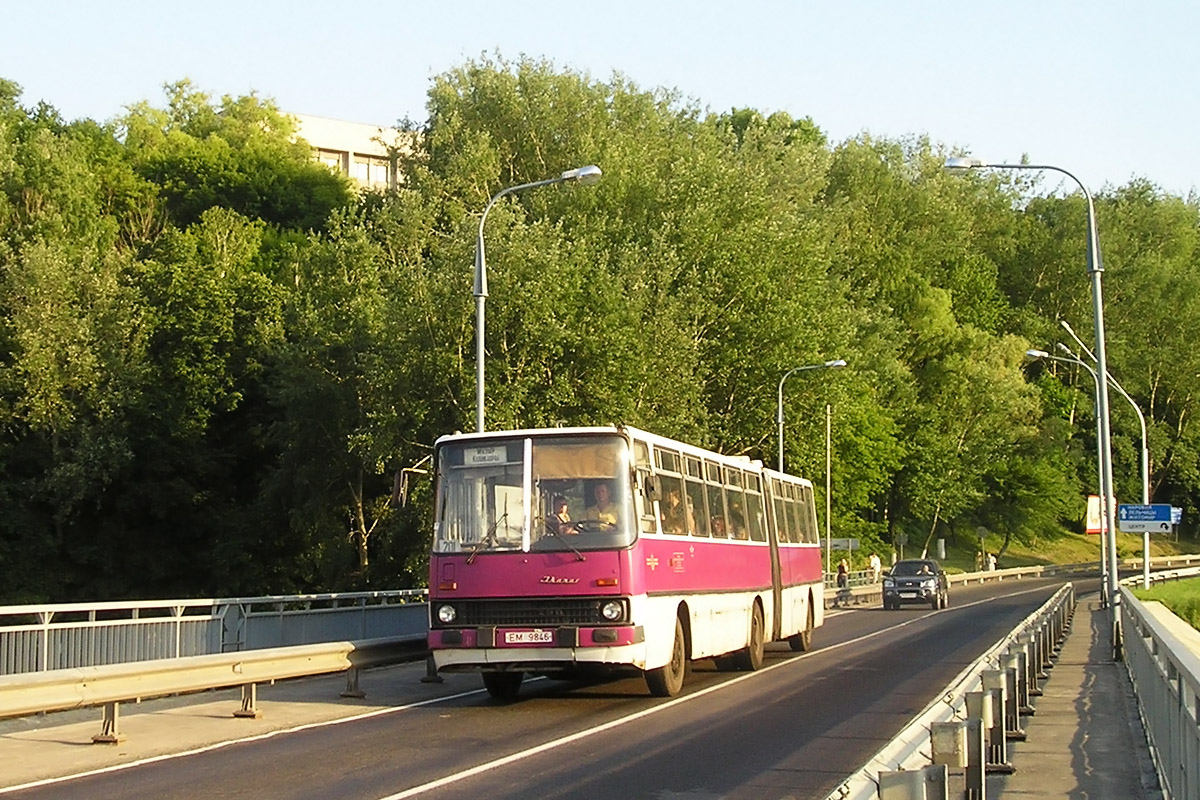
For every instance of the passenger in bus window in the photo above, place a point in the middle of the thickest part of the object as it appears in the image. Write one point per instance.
(603, 509)
(718, 526)
(673, 518)
(561, 518)
(737, 525)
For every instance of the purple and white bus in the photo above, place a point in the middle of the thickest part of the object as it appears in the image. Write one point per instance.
(561, 550)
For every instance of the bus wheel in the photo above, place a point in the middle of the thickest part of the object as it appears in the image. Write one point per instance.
(667, 681)
(750, 658)
(503, 685)
(802, 642)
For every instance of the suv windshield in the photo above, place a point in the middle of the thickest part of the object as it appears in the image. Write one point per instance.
(904, 569)
(548, 492)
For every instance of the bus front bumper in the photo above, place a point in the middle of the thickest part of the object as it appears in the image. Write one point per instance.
(536, 648)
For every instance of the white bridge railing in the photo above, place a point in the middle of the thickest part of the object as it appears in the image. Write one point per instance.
(1162, 654)
(40, 638)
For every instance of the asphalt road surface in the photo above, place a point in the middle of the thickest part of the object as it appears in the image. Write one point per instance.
(794, 729)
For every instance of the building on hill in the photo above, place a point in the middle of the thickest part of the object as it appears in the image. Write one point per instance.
(365, 153)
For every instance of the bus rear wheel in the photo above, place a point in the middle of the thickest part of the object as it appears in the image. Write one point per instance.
(750, 657)
(667, 680)
(503, 685)
(802, 642)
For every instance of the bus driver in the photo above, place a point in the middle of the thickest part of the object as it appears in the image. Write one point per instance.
(602, 510)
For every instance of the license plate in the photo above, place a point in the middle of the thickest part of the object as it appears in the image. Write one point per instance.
(908, 594)
(528, 637)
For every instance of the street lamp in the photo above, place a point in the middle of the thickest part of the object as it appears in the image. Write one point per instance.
(1145, 454)
(1095, 269)
(1105, 521)
(840, 362)
(580, 175)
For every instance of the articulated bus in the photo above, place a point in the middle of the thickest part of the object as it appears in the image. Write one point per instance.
(568, 551)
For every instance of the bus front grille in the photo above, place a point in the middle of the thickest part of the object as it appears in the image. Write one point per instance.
(542, 612)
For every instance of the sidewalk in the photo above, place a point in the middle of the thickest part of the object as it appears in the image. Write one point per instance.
(1086, 739)
(41, 747)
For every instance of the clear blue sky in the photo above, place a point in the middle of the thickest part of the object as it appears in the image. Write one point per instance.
(1105, 89)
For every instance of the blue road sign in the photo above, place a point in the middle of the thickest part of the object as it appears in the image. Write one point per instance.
(1145, 518)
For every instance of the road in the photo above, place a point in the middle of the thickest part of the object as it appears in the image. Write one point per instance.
(794, 729)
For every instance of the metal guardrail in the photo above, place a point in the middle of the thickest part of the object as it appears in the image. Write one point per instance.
(112, 684)
(36, 638)
(976, 709)
(1162, 655)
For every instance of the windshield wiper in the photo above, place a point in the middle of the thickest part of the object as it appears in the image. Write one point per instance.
(553, 529)
(488, 536)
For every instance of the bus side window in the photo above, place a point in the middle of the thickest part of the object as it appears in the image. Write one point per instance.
(735, 503)
(696, 506)
(718, 518)
(807, 511)
(782, 523)
(673, 506)
(755, 517)
(795, 523)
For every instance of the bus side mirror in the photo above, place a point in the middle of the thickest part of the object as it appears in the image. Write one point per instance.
(399, 497)
(652, 487)
(400, 484)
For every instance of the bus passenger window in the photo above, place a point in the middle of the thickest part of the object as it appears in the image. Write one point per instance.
(675, 520)
(716, 511)
(737, 514)
(697, 515)
(754, 515)
(782, 523)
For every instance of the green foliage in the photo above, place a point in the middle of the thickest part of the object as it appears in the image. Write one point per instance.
(215, 357)
(241, 155)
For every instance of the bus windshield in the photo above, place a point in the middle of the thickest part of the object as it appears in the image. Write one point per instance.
(547, 492)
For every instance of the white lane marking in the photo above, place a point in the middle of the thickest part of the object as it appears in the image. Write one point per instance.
(616, 723)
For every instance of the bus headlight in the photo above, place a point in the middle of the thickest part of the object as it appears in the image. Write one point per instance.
(612, 610)
(446, 614)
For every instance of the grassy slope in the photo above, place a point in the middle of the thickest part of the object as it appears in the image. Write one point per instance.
(1070, 548)
(1182, 597)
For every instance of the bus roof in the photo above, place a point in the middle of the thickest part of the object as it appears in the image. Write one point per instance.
(655, 439)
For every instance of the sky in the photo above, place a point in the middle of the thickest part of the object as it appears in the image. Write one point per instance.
(1106, 90)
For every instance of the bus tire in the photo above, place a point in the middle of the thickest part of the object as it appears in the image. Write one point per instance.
(750, 657)
(503, 685)
(802, 642)
(667, 680)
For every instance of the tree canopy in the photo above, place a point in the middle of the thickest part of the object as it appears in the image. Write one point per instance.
(216, 354)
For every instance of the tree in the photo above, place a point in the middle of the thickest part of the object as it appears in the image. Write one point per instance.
(242, 155)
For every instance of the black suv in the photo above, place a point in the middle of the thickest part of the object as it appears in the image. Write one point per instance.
(916, 580)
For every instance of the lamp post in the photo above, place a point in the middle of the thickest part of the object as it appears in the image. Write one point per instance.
(840, 362)
(1095, 269)
(1104, 523)
(1145, 454)
(580, 175)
